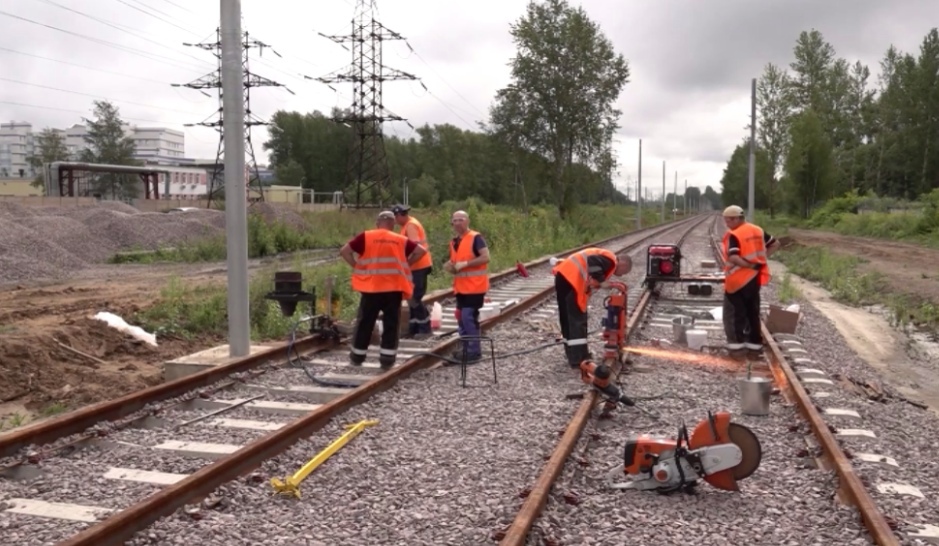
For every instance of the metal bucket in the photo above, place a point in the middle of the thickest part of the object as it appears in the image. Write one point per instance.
(680, 327)
(754, 395)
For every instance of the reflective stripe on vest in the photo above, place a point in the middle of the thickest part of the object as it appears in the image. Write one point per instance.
(426, 260)
(577, 272)
(753, 250)
(471, 280)
(383, 267)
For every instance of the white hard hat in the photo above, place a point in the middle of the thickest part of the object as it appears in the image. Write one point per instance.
(733, 211)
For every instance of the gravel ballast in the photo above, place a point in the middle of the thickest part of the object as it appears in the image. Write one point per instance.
(470, 451)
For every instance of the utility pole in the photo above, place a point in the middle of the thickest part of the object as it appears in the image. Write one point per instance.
(639, 191)
(236, 214)
(675, 197)
(684, 200)
(663, 192)
(367, 173)
(752, 174)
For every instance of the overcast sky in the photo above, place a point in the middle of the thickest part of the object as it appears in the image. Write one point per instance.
(688, 99)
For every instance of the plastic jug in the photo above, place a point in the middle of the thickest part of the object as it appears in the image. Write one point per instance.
(436, 316)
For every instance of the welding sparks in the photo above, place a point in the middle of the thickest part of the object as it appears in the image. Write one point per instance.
(705, 360)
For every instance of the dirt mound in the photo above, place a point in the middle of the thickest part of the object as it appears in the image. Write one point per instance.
(81, 362)
(273, 213)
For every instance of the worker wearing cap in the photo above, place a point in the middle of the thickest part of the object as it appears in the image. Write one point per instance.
(574, 280)
(469, 264)
(419, 320)
(382, 274)
(746, 249)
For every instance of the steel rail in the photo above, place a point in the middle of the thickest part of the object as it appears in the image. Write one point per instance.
(120, 527)
(787, 381)
(77, 421)
(537, 499)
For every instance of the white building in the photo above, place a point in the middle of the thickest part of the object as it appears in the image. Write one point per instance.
(154, 145)
(16, 145)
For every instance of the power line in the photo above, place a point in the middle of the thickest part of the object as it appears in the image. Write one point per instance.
(94, 96)
(156, 17)
(141, 53)
(178, 6)
(133, 32)
(418, 55)
(81, 66)
(41, 107)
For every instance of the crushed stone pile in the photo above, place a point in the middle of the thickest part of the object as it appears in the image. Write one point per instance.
(53, 242)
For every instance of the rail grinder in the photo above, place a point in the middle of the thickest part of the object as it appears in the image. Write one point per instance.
(718, 451)
(600, 376)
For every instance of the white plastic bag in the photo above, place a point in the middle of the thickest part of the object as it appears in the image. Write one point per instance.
(120, 324)
(436, 316)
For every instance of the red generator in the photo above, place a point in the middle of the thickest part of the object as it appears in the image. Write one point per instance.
(663, 263)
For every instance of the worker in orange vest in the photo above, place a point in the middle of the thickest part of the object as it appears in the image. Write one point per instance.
(746, 249)
(469, 264)
(575, 279)
(419, 319)
(382, 274)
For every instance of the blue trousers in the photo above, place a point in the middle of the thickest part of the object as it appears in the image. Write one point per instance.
(467, 317)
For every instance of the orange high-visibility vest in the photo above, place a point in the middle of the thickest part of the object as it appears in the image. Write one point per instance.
(426, 261)
(471, 280)
(753, 250)
(575, 270)
(383, 267)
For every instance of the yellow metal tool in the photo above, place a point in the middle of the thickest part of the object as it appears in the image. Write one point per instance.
(291, 485)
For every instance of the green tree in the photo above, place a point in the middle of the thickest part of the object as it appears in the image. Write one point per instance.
(290, 173)
(319, 145)
(566, 77)
(50, 147)
(774, 108)
(108, 143)
(810, 167)
(735, 183)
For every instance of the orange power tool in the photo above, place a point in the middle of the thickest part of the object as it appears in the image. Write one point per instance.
(599, 376)
(718, 451)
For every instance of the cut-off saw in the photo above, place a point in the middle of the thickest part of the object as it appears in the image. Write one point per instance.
(718, 451)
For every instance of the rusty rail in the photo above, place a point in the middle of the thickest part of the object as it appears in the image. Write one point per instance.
(517, 533)
(788, 382)
(120, 527)
(77, 421)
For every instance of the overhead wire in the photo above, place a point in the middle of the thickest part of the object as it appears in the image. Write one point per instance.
(94, 96)
(157, 17)
(145, 54)
(136, 33)
(43, 107)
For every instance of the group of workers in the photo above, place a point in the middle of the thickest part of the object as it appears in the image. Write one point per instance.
(390, 268)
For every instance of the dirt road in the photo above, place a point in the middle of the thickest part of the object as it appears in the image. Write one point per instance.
(907, 268)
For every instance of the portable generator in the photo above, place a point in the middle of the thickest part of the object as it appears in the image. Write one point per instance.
(663, 263)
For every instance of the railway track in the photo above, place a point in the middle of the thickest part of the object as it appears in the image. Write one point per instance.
(568, 503)
(102, 474)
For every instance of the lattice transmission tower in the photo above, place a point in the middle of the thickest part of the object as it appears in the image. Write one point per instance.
(213, 80)
(367, 171)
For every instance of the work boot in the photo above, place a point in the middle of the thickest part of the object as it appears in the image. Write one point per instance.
(356, 360)
(738, 354)
(470, 359)
(386, 363)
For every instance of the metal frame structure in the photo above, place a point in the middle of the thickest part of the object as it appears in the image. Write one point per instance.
(213, 80)
(70, 179)
(367, 171)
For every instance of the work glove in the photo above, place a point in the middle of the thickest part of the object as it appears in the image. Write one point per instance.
(459, 266)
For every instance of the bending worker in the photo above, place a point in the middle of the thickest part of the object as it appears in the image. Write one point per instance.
(574, 280)
(382, 274)
(746, 248)
(419, 320)
(469, 264)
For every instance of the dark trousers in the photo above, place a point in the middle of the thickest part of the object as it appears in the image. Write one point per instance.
(742, 317)
(370, 305)
(419, 322)
(467, 318)
(573, 322)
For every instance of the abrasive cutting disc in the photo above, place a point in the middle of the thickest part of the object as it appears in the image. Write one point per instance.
(750, 448)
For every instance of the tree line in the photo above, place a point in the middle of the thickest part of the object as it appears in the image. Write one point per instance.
(824, 130)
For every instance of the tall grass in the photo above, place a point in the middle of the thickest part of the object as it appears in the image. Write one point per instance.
(512, 236)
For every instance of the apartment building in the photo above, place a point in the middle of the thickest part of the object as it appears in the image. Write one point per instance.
(153, 145)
